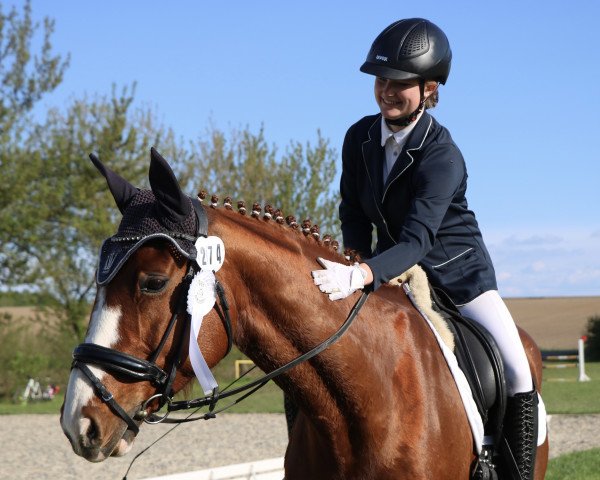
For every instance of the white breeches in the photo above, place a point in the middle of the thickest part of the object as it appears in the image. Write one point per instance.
(489, 310)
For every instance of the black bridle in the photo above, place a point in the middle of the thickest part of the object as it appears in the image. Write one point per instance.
(137, 369)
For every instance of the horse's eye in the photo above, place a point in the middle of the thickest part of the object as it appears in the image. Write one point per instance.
(153, 284)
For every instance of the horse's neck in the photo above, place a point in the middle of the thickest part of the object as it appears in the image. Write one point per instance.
(281, 314)
(287, 318)
(365, 394)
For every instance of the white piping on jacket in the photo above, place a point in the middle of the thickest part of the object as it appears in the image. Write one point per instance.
(453, 258)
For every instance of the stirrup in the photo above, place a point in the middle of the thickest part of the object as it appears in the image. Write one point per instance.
(485, 469)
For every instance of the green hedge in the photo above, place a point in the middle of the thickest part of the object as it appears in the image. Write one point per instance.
(592, 347)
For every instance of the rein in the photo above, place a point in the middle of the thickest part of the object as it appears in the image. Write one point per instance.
(210, 400)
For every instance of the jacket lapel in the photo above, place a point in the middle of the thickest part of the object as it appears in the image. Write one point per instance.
(414, 142)
(373, 157)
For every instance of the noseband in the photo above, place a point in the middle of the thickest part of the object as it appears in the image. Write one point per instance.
(139, 370)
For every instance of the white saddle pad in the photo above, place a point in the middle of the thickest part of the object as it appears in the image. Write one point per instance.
(467, 396)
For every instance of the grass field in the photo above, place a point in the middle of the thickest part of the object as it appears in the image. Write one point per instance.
(562, 392)
(575, 466)
(553, 322)
(37, 407)
(268, 399)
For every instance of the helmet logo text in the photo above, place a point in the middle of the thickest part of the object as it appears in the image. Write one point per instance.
(381, 57)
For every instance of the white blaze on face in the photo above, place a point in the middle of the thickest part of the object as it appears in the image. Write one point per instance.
(103, 330)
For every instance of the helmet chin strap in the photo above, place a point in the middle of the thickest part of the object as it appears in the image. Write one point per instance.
(407, 119)
(411, 117)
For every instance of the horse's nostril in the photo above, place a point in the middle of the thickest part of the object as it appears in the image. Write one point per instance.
(91, 434)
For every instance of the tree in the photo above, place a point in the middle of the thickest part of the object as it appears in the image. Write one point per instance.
(25, 76)
(55, 209)
(67, 210)
(243, 166)
(593, 339)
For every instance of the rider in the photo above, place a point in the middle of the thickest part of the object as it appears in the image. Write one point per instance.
(403, 174)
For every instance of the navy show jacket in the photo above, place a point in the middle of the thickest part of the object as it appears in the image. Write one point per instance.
(421, 213)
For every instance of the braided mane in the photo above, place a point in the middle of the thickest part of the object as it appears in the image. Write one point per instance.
(269, 213)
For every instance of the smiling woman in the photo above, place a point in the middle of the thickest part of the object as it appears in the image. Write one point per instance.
(403, 99)
(403, 174)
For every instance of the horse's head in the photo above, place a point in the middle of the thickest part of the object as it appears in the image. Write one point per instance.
(136, 338)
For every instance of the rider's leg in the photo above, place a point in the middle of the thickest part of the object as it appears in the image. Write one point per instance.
(489, 310)
(520, 423)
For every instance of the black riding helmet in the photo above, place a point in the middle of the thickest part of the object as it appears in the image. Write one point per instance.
(413, 48)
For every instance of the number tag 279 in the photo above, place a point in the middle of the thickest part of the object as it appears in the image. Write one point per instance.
(210, 253)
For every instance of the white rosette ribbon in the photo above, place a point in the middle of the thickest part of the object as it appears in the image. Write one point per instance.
(202, 295)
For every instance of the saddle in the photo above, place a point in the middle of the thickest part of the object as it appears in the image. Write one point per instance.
(479, 359)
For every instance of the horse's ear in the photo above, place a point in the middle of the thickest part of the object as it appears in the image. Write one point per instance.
(122, 191)
(172, 203)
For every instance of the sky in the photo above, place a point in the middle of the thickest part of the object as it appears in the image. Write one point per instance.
(521, 101)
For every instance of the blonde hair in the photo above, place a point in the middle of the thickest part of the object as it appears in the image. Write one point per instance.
(433, 99)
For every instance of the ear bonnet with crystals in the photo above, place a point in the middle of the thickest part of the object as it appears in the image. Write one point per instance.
(164, 212)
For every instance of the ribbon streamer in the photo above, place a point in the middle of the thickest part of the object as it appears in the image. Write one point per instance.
(202, 296)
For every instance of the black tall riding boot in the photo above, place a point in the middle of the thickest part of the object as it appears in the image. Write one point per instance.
(521, 429)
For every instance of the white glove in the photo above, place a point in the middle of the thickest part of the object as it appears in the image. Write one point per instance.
(339, 280)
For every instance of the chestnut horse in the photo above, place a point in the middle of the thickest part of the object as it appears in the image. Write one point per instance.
(380, 403)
